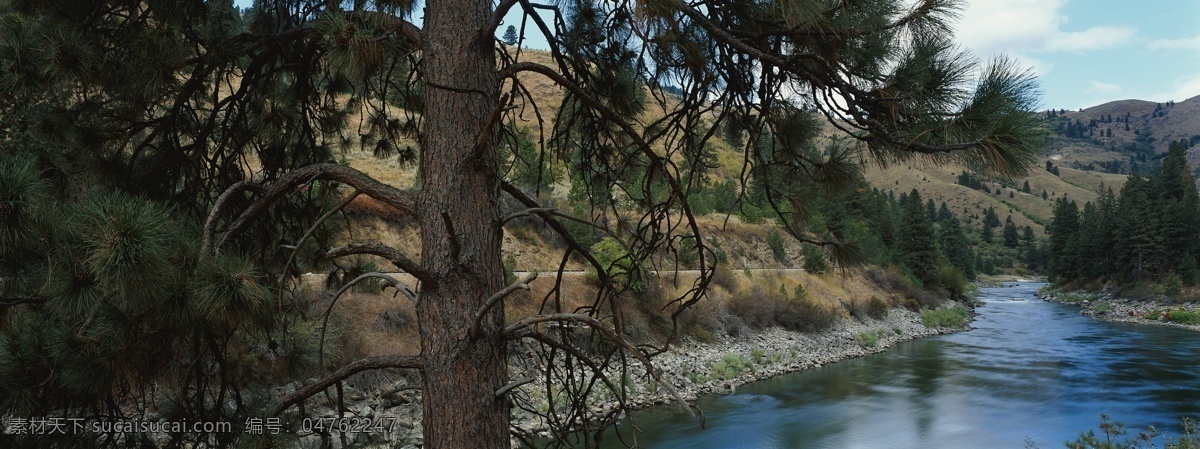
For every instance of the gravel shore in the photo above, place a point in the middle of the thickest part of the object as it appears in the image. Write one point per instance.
(693, 369)
(1104, 306)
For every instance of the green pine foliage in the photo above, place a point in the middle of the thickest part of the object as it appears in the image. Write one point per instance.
(119, 300)
(1148, 232)
(916, 248)
(1011, 237)
(956, 248)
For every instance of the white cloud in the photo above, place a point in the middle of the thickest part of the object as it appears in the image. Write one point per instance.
(1183, 89)
(1192, 43)
(989, 26)
(1039, 66)
(1094, 38)
(1100, 87)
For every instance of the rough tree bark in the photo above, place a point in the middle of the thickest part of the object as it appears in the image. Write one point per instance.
(461, 231)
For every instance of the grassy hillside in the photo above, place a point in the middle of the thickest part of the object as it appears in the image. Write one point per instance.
(1026, 209)
(1080, 161)
(1151, 126)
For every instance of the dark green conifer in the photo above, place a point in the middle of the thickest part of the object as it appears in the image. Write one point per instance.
(916, 248)
(956, 248)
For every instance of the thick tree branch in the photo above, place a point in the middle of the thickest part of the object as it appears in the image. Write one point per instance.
(492, 301)
(393, 255)
(355, 367)
(210, 224)
(401, 27)
(514, 384)
(404, 201)
(498, 15)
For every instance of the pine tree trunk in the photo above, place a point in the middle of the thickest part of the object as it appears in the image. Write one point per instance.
(460, 231)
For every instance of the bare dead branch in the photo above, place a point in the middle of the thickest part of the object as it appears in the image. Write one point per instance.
(311, 229)
(355, 367)
(612, 335)
(498, 16)
(393, 255)
(558, 228)
(345, 288)
(522, 284)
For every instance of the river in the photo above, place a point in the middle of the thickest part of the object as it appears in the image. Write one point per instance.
(1029, 371)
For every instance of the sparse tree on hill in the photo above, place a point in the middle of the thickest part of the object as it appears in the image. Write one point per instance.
(510, 36)
(222, 142)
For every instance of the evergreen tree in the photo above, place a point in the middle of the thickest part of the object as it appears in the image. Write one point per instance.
(956, 248)
(986, 235)
(1064, 239)
(944, 213)
(1138, 252)
(916, 248)
(1029, 250)
(990, 219)
(510, 36)
(1011, 237)
(1176, 198)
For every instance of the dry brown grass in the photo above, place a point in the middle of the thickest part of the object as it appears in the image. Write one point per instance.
(375, 324)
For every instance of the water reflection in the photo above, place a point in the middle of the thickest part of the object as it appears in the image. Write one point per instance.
(1029, 369)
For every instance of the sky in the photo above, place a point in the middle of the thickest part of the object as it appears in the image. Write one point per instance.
(1089, 52)
(1084, 52)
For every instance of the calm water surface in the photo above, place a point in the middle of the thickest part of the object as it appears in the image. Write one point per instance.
(1029, 370)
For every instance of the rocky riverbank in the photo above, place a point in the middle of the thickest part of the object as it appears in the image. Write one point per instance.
(1104, 306)
(693, 369)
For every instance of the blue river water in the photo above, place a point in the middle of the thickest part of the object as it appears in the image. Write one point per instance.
(1029, 372)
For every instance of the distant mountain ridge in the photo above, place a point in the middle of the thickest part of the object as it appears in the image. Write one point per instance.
(1120, 129)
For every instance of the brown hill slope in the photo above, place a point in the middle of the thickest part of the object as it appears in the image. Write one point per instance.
(1156, 124)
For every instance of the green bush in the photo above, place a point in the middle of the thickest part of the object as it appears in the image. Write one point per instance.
(814, 260)
(1102, 307)
(775, 242)
(1171, 286)
(955, 316)
(1183, 317)
(867, 338)
(954, 281)
(618, 264)
(731, 365)
(1154, 315)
